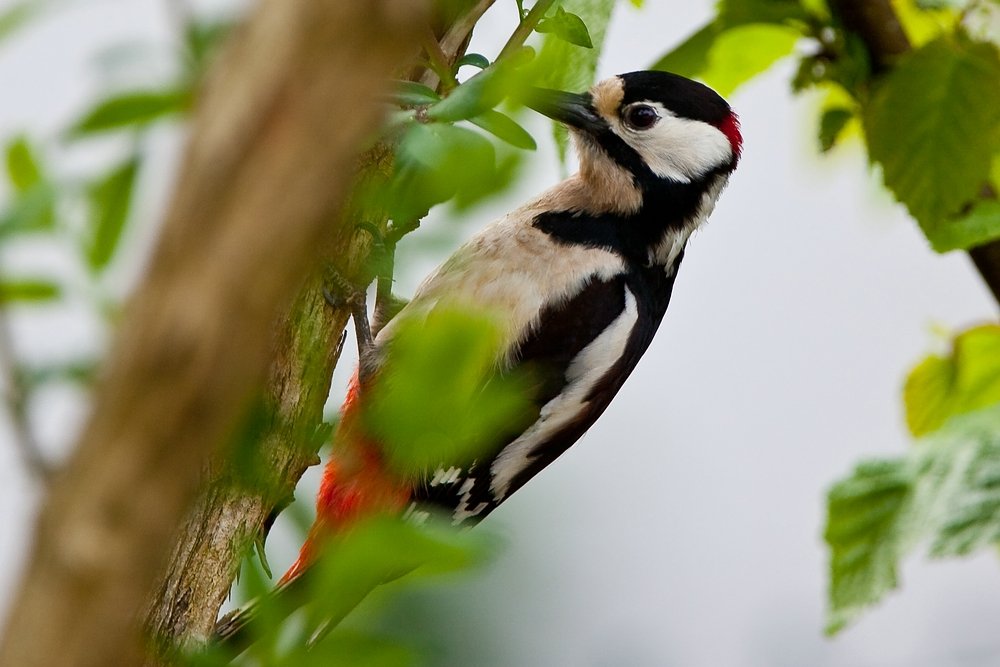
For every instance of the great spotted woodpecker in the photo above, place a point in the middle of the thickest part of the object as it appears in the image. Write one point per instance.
(582, 275)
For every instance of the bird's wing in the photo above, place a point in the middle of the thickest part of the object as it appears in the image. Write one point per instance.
(579, 351)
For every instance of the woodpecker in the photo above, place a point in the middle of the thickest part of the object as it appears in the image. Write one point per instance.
(582, 276)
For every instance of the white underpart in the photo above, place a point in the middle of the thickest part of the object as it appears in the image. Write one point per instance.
(677, 148)
(589, 366)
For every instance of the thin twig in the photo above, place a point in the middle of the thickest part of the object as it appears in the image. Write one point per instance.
(438, 60)
(525, 28)
(16, 401)
(456, 39)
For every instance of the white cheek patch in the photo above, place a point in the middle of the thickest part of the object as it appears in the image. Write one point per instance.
(678, 148)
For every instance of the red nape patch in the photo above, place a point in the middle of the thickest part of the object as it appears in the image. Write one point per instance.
(731, 128)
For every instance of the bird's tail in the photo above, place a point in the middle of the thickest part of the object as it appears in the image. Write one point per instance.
(356, 485)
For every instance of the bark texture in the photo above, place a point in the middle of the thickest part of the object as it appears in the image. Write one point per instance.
(234, 509)
(876, 22)
(268, 167)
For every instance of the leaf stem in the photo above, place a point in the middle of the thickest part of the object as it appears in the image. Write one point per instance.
(438, 61)
(525, 27)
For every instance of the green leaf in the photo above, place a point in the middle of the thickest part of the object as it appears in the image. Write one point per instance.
(22, 165)
(17, 16)
(437, 162)
(410, 93)
(203, 38)
(505, 128)
(741, 53)
(741, 12)
(132, 109)
(934, 126)
(946, 490)
(980, 225)
(745, 39)
(35, 290)
(474, 59)
(866, 536)
(32, 211)
(831, 124)
(568, 27)
(690, 57)
(565, 66)
(480, 93)
(471, 407)
(110, 201)
(942, 387)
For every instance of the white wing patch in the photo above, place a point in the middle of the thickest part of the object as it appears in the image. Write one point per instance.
(589, 366)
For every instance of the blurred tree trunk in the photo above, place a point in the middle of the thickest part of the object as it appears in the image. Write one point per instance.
(281, 439)
(269, 165)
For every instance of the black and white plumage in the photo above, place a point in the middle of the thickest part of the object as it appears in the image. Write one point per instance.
(583, 274)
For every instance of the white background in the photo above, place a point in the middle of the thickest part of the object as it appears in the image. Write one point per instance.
(685, 528)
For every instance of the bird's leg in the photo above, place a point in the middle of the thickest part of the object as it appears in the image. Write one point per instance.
(356, 300)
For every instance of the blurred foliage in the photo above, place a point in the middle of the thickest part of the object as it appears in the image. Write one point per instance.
(969, 379)
(293, 628)
(945, 491)
(470, 408)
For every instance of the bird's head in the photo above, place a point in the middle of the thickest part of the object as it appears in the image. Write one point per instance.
(652, 127)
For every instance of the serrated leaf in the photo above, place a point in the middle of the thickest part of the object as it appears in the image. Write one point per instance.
(866, 536)
(110, 202)
(132, 109)
(934, 126)
(978, 226)
(568, 27)
(506, 128)
(831, 124)
(23, 167)
(941, 387)
(35, 290)
(945, 491)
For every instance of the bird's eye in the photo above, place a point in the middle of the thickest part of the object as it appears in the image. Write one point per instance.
(641, 117)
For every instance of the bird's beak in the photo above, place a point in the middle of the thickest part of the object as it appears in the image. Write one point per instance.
(573, 109)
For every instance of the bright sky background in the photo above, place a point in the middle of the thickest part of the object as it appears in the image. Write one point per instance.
(685, 528)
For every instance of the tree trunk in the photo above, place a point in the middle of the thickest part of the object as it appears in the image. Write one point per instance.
(268, 167)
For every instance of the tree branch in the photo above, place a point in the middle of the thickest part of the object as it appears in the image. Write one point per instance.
(267, 169)
(876, 22)
(16, 400)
